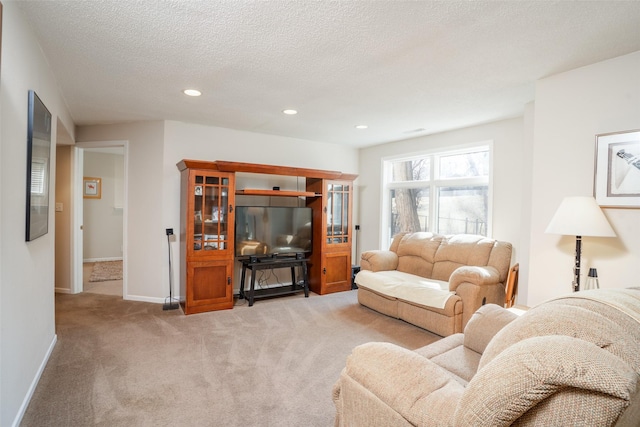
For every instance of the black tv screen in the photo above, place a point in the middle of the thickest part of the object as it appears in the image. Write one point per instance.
(272, 230)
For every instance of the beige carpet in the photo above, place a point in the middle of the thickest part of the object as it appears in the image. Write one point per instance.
(127, 363)
(105, 271)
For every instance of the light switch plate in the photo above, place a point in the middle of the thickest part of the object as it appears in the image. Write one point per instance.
(58, 207)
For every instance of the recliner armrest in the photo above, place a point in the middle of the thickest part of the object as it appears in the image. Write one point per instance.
(419, 390)
(485, 323)
(472, 274)
(379, 260)
(565, 375)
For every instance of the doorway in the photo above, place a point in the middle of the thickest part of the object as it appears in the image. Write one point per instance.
(100, 218)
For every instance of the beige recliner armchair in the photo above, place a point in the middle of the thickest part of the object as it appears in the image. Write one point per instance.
(567, 362)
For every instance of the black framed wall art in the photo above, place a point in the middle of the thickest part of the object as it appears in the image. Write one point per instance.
(617, 174)
(38, 167)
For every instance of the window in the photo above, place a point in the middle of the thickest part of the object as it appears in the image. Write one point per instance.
(444, 192)
(38, 176)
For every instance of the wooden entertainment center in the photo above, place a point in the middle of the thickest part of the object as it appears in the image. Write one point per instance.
(207, 199)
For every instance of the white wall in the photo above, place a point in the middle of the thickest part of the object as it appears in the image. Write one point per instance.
(26, 269)
(145, 244)
(102, 218)
(154, 184)
(508, 177)
(189, 141)
(570, 109)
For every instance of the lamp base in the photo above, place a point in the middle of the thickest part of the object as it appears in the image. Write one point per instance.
(576, 269)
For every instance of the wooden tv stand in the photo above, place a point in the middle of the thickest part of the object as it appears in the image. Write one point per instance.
(270, 263)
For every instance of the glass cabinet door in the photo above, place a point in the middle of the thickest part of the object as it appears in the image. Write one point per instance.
(211, 207)
(338, 213)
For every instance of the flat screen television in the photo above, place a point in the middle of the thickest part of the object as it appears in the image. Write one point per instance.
(272, 230)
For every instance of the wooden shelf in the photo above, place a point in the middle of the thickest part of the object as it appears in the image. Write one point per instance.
(233, 167)
(277, 291)
(281, 193)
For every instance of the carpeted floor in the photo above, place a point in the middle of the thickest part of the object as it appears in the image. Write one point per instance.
(127, 363)
(110, 287)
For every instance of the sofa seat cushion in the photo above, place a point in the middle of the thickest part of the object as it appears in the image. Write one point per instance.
(407, 287)
(451, 354)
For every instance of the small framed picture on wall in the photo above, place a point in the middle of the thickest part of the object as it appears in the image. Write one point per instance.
(92, 188)
(617, 174)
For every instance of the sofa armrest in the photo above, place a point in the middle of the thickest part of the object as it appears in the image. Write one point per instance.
(476, 286)
(416, 388)
(379, 260)
(475, 275)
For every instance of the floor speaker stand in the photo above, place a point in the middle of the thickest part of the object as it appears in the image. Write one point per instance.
(170, 305)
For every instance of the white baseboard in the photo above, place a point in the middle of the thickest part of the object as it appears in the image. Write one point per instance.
(150, 299)
(34, 384)
(102, 259)
(140, 298)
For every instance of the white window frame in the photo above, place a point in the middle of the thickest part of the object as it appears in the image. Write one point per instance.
(433, 184)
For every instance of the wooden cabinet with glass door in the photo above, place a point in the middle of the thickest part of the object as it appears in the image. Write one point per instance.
(207, 200)
(207, 227)
(330, 264)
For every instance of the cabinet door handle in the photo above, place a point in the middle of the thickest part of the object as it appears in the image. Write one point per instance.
(228, 280)
(324, 270)
(230, 208)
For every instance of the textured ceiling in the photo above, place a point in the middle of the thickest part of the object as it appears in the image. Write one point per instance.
(405, 68)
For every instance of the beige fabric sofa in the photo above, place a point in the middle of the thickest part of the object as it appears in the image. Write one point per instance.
(433, 281)
(573, 361)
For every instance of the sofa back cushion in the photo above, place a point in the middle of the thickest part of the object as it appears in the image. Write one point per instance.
(436, 256)
(458, 250)
(416, 253)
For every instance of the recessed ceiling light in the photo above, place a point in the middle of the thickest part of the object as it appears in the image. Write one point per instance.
(362, 127)
(192, 92)
(290, 112)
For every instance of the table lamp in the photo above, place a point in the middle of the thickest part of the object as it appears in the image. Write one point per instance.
(579, 216)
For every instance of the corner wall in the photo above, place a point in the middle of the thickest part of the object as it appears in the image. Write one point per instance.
(570, 110)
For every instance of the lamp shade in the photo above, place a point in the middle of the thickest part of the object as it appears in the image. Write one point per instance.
(580, 216)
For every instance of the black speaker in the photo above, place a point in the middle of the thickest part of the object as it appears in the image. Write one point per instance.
(299, 255)
(253, 259)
